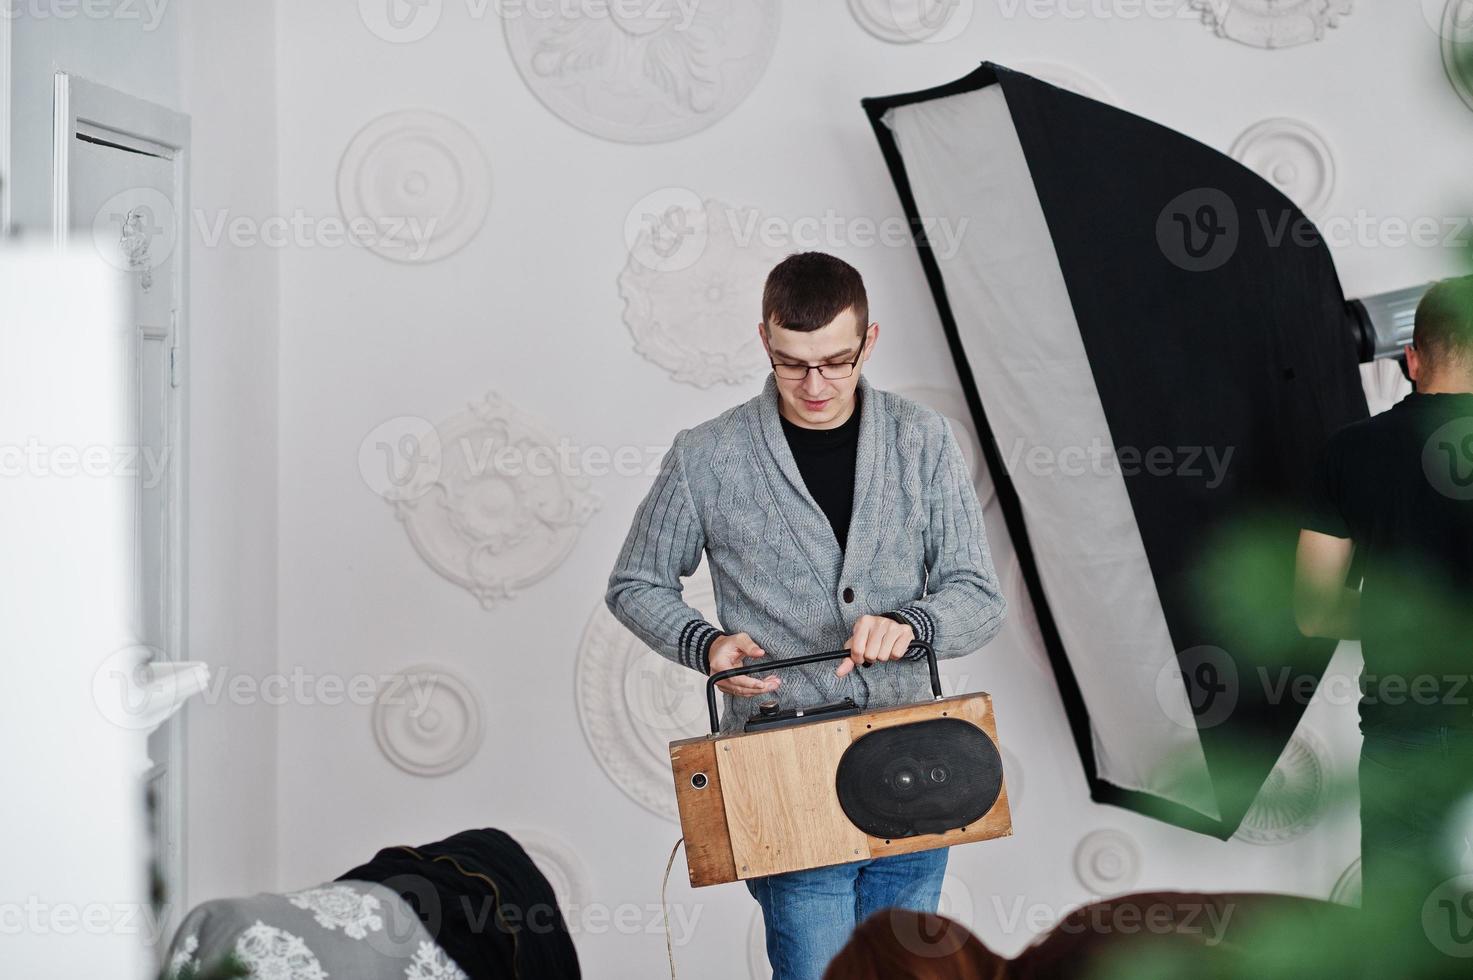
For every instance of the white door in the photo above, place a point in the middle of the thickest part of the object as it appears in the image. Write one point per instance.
(120, 184)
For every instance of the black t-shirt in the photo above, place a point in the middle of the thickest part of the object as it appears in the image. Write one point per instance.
(825, 457)
(1400, 484)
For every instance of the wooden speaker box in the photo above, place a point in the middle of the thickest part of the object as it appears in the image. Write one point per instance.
(809, 788)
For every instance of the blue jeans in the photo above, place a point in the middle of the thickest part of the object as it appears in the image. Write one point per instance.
(810, 914)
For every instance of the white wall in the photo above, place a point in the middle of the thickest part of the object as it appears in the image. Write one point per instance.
(226, 67)
(214, 61)
(530, 308)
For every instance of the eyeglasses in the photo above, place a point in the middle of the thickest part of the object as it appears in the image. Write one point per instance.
(799, 372)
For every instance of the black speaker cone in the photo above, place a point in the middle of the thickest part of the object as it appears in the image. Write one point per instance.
(923, 778)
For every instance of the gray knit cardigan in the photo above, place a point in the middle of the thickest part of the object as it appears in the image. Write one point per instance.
(916, 552)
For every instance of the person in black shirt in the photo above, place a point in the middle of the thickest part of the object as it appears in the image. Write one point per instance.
(1391, 508)
(826, 457)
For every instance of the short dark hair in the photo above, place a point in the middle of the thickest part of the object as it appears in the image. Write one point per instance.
(1443, 334)
(806, 290)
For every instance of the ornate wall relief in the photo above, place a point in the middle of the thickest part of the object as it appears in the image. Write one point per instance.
(1107, 862)
(427, 721)
(688, 286)
(494, 511)
(912, 21)
(1272, 23)
(633, 702)
(419, 180)
(1295, 795)
(649, 75)
(1294, 158)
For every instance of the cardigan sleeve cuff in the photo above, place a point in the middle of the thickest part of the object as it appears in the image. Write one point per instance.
(920, 623)
(695, 645)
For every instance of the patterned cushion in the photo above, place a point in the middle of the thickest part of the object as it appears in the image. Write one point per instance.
(345, 929)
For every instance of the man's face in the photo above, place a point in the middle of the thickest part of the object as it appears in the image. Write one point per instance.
(817, 402)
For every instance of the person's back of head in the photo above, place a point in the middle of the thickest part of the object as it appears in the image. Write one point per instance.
(1441, 357)
(901, 944)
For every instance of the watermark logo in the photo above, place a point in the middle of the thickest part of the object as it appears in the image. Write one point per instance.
(401, 21)
(131, 693)
(1447, 459)
(1210, 679)
(401, 458)
(148, 13)
(665, 230)
(1447, 916)
(1198, 230)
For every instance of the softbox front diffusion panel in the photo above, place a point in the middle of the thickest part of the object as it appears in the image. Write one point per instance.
(1154, 345)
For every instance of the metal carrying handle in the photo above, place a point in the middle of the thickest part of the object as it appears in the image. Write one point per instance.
(812, 658)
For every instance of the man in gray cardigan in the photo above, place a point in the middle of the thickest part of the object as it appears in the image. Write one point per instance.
(833, 515)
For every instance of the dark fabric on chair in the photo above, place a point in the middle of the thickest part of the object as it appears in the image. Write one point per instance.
(484, 901)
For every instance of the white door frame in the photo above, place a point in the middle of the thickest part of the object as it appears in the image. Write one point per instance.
(90, 111)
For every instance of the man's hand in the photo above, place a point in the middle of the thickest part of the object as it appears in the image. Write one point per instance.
(728, 652)
(875, 638)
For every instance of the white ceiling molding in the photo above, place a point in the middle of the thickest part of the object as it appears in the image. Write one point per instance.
(688, 286)
(1293, 157)
(647, 76)
(1276, 24)
(495, 514)
(1107, 862)
(427, 721)
(421, 179)
(633, 702)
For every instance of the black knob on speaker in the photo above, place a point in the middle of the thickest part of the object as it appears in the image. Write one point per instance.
(767, 708)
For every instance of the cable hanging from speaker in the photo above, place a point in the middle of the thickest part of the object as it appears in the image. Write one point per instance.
(665, 906)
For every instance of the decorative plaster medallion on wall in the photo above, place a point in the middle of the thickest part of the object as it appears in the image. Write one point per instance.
(1272, 23)
(421, 179)
(1067, 77)
(954, 407)
(1347, 890)
(561, 865)
(633, 702)
(499, 515)
(1294, 158)
(687, 289)
(909, 21)
(1294, 797)
(1457, 47)
(1107, 862)
(657, 73)
(427, 721)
